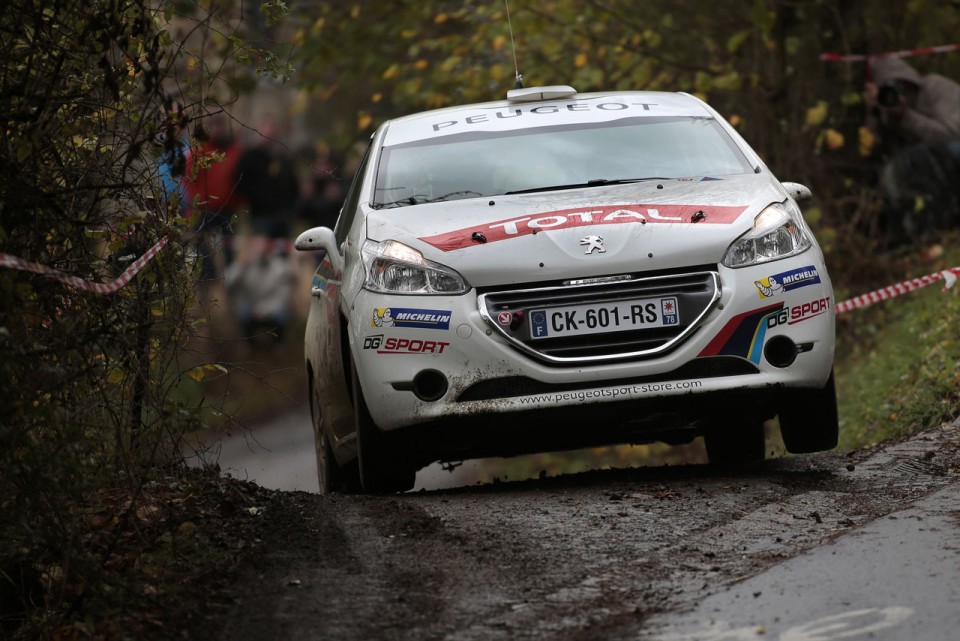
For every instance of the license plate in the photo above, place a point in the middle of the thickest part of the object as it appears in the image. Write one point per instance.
(601, 318)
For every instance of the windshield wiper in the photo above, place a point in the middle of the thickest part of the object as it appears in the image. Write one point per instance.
(594, 182)
(420, 199)
(415, 199)
(463, 192)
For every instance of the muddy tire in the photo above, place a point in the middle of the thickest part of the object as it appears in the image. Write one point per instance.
(330, 475)
(809, 421)
(381, 459)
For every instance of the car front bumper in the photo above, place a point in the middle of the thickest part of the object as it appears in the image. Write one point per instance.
(403, 345)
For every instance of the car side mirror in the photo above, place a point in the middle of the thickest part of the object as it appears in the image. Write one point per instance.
(320, 239)
(800, 193)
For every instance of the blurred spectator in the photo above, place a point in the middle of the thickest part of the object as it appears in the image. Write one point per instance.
(267, 179)
(917, 121)
(172, 166)
(909, 108)
(260, 286)
(323, 194)
(211, 190)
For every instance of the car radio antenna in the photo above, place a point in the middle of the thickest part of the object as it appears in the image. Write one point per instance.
(518, 84)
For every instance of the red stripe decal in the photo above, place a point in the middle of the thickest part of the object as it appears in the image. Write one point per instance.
(584, 217)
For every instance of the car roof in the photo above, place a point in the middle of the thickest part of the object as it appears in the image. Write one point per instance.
(506, 115)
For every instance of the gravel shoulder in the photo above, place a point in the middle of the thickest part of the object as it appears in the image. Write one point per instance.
(584, 556)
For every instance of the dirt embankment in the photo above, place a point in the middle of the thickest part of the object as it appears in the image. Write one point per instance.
(583, 556)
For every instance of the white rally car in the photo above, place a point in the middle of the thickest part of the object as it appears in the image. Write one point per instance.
(562, 270)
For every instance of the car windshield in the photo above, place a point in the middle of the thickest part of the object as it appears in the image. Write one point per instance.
(483, 164)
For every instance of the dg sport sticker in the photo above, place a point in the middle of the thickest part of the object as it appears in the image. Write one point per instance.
(406, 317)
(787, 281)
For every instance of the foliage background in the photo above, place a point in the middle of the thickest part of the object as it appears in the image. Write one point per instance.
(757, 62)
(92, 93)
(92, 96)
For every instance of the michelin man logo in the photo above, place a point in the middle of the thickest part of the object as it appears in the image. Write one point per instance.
(787, 281)
(768, 286)
(382, 317)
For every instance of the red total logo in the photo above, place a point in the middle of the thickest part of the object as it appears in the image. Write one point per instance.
(567, 218)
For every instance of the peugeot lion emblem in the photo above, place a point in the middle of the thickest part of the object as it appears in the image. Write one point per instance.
(593, 243)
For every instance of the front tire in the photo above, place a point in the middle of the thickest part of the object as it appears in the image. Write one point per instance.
(330, 475)
(810, 422)
(382, 468)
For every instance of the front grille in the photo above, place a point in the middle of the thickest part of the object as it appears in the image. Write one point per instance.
(560, 316)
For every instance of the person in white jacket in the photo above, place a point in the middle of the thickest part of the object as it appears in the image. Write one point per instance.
(260, 286)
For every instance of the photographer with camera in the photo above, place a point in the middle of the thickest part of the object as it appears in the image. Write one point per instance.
(917, 122)
(910, 108)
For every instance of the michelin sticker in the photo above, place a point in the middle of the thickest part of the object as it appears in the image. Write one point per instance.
(405, 317)
(787, 281)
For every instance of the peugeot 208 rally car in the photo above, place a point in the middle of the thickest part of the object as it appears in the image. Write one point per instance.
(562, 270)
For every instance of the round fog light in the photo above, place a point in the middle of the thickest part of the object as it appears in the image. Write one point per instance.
(429, 385)
(780, 351)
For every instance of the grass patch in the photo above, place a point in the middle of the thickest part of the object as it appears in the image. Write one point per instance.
(898, 362)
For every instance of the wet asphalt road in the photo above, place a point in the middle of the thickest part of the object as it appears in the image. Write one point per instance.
(814, 548)
(895, 578)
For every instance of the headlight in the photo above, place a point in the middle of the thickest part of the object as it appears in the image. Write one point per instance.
(778, 232)
(395, 268)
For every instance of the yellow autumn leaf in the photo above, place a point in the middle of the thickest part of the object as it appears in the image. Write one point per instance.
(833, 139)
(116, 375)
(390, 72)
(364, 120)
(196, 373)
(498, 42)
(867, 140)
(407, 34)
(735, 120)
(215, 367)
(817, 114)
(199, 373)
(355, 11)
(580, 60)
(318, 26)
(440, 18)
(299, 37)
(421, 64)
(377, 97)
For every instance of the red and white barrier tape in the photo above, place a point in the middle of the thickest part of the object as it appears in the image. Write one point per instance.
(906, 53)
(13, 262)
(948, 276)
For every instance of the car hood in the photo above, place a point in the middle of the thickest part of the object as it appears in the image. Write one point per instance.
(653, 225)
